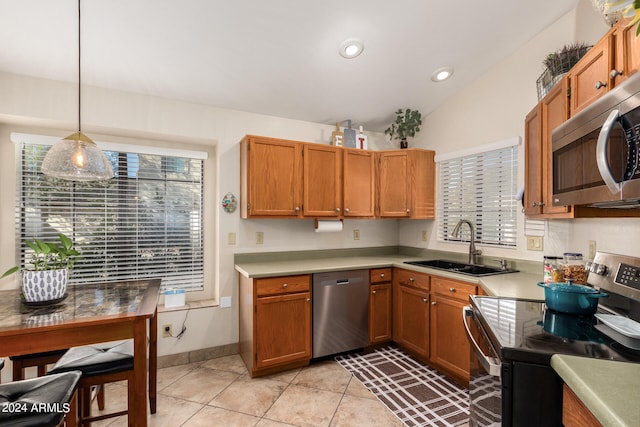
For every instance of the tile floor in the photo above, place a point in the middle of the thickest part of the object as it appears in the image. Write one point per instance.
(219, 392)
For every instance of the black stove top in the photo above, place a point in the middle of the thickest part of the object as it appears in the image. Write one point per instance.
(526, 331)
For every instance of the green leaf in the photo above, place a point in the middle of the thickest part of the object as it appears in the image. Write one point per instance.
(44, 247)
(10, 271)
(67, 243)
(33, 246)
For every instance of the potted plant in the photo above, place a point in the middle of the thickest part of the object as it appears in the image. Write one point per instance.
(407, 124)
(45, 278)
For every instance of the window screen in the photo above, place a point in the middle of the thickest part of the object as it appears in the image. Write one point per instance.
(146, 222)
(480, 188)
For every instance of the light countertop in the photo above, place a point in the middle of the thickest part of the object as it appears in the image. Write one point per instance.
(609, 389)
(515, 285)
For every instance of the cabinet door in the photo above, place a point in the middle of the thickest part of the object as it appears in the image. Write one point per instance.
(627, 56)
(555, 111)
(394, 184)
(533, 162)
(423, 184)
(589, 78)
(282, 329)
(322, 180)
(413, 320)
(380, 313)
(449, 344)
(271, 177)
(358, 183)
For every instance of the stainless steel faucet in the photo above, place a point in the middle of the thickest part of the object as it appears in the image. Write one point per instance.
(473, 252)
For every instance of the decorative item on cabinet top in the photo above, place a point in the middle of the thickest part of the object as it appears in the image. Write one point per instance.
(349, 138)
(407, 124)
(557, 64)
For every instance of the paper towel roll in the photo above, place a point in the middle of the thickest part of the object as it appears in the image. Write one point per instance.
(328, 226)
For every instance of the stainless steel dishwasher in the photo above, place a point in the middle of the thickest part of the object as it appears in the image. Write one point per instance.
(340, 311)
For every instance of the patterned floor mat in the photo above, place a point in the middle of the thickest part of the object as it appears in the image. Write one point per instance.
(417, 394)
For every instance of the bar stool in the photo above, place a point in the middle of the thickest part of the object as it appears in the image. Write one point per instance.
(40, 360)
(100, 364)
(39, 402)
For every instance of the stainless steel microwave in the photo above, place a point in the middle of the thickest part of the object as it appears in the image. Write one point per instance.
(595, 153)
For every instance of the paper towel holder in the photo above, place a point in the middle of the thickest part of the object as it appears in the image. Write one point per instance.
(315, 223)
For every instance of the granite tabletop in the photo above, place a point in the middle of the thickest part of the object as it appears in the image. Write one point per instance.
(80, 302)
(609, 389)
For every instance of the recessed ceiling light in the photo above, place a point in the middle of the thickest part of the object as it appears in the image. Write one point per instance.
(351, 48)
(442, 74)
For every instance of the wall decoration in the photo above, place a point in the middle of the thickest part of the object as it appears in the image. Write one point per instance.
(229, 203)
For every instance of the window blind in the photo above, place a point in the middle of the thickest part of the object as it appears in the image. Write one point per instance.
(146, 222)
(481, 188)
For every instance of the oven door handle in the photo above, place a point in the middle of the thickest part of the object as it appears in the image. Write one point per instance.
(601, 153)
(490, 364)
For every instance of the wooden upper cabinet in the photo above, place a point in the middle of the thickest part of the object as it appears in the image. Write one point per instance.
(359, 183)
(406, 184)
(322, 180)
(589, 78)
(533, 162)
(627, 57)
(270, 177)
(539, 125)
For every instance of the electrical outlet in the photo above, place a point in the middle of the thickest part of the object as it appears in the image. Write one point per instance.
(592, 249)
(167, 331)
(259, 237)
(535, 243)
(424, 235)
(356, 234)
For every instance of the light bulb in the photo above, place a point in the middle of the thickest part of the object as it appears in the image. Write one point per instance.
(79, 156)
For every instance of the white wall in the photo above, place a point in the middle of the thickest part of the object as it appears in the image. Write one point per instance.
(493, 108)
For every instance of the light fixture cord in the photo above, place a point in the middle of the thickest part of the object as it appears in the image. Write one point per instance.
(79, 75)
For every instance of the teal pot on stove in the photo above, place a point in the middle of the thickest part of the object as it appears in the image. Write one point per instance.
(571, 299)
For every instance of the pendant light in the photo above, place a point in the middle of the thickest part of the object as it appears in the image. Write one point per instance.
(77, 157)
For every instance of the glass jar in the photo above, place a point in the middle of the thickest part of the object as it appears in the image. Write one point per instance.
(574, 268)
(551, 271)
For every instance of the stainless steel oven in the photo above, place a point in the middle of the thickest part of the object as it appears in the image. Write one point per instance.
(512, 342)
(595, 153)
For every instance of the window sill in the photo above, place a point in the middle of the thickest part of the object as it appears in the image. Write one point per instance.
(189, 305)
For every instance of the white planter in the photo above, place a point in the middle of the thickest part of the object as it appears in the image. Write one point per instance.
(42, 286)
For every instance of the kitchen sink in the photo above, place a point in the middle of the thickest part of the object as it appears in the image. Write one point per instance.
(460, 268)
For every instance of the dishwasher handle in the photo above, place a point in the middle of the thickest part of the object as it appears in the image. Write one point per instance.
(490, 364)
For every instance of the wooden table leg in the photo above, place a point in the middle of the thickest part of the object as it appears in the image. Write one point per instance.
(139, 373)
(153, 361)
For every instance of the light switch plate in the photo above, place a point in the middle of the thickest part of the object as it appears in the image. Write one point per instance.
(225, 302)
(259, 237)
(231, 238)
(356, 234)
(535, 243)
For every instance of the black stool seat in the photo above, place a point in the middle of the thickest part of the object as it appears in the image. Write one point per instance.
(21, 400)
(38, 355)
(98, 359)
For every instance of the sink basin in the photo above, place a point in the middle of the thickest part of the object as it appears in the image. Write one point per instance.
(460, 268)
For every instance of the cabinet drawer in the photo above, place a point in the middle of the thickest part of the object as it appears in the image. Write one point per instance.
(380, 275)
(453, 288)
(412, 278)
(283, 285)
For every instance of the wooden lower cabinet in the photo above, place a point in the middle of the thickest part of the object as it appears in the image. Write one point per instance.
(411, 312)
(574, 413)
(275, 323)
(380, 308)
(449, 345)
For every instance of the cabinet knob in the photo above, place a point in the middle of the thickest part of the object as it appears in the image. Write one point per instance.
(284, 285)
(600, 85)
(615, 73)
(337, 209)
(425, 300)
(297, 209)
(346, 210)
(308, 299)
(373, 292)
(382, 275)
(452, 289)
(411, 279)
(433, 303)
(408, 210)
